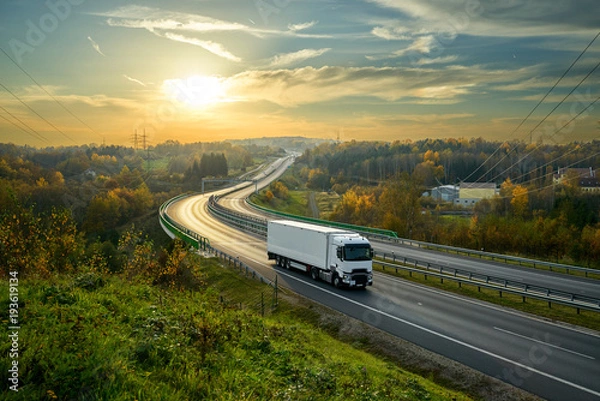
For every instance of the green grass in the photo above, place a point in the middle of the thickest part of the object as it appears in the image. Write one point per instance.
(296, 203)
(107, 338)
(556, 312)
(326, 202)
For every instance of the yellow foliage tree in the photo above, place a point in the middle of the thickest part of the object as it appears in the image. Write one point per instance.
(520, 201)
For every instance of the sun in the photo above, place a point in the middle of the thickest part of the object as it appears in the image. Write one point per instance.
(196, 91)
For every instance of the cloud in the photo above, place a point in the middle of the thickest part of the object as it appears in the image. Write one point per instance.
(137, 81)
(437, 60)
(515, 18)
(210, 46)
(282, 60)
(33, 94)
(301, 27)
(393, 33)
(293, 87)
(95, 46)
(420, 118)
(422, 44)
(154, 19)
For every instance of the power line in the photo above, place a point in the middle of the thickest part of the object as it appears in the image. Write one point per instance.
(551, 185)
(52, 96)
(32, 133)
(16, 125)
(557, 82)
(548, 115)
(545, 165)
(560, 129)
(538, 104)
(36, 113)
(565, 98)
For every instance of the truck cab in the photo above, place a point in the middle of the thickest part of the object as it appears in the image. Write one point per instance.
(350, 262)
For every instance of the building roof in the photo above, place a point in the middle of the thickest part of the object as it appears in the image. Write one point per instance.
(477, 185)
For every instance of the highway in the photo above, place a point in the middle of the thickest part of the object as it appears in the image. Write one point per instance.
(553, 361)
(543, 278)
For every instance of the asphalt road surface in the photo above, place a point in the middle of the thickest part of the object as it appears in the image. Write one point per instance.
(554, 361)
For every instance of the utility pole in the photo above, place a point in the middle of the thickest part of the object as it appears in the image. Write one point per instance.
(135, 140)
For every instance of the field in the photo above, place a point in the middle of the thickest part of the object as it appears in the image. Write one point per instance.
(105, 337)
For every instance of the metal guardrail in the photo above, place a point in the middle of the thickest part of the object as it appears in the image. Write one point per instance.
(493, 256)
(197, 241)
(481, 280)
(250, 223)
(359, 229)
(190, 237)
(525, 290)
(391, 236)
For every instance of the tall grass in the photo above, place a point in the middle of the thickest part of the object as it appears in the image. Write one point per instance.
(102, 337)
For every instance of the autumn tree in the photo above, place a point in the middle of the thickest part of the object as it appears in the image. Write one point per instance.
(590, 242)
(356, 206)
(279, 190)
(520, 201)
(400, 207)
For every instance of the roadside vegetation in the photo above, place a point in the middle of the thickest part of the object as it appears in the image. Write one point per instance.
(93, 335)
(110, 308)
(383, 185)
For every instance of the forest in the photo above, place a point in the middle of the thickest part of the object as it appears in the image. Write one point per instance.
(60, 205)
(64, 207)
(382, 185)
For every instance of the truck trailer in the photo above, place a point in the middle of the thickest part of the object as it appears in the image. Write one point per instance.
(339, 257)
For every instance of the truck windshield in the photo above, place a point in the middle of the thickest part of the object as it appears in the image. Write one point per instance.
(357, 252)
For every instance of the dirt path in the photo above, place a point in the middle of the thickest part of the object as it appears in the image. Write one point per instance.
(312, 205)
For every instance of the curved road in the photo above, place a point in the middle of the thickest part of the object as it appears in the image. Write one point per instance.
(553, 361)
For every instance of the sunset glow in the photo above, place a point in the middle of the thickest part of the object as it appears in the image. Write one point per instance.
(196, 92)
(373, 69)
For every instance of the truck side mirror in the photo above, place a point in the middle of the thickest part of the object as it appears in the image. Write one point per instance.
(371, 253)
(339, 253)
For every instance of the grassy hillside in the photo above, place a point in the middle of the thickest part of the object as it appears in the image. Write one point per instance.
(104, 337)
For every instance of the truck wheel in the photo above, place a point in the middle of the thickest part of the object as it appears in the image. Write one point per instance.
(314, 274)
(337, 283)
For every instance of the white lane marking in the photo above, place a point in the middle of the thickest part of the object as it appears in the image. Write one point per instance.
(543, 342)
(580, 330)
(454, 340)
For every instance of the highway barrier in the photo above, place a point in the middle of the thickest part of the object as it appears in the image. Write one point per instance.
(175, 229)
(351, 227)
(482, 280)
(495, 256)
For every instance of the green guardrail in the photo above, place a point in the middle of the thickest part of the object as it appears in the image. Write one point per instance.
(345, 226)
(188, 236)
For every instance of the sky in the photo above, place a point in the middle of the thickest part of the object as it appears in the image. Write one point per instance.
(86, 71)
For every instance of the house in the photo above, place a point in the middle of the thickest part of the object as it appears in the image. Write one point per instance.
(472, 192)
(445, 193)
(90, 173)
(588, 179)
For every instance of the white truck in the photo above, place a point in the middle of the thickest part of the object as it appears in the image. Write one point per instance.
(339, 257)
